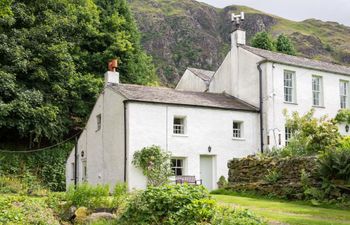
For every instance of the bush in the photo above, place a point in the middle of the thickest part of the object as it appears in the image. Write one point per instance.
(228, 216)
(222, 183)
(25, 184)
(88, 196)
(25, 210)
(119, 196)
(273, 176)
(154, 163)
(335, 166)
(47, 167)
(200, 211)
(181, 205)
(311, 135)
(10, 185)
(156, 205)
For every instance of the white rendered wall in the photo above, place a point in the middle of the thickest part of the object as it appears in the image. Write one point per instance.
(190, 82)
(274, 97)
(238, 75)
(151, 124)
(222, 79)
(104, 148)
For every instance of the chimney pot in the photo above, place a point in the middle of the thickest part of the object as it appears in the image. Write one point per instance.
(112, 76)
(113, 65)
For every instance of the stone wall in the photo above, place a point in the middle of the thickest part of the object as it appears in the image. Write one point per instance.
(252, 174)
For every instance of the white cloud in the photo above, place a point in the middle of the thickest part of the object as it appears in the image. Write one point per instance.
(335, 10)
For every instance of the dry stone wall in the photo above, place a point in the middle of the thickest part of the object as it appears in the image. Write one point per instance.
(280, 177)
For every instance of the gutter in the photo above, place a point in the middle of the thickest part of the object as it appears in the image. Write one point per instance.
(125, 138)
(261, 104)
(196, 106)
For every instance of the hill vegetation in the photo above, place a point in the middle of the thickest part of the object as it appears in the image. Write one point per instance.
(187, 33)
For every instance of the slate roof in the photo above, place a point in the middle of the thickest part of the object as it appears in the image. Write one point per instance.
(205, 75)
(298, 61)
(177, 97)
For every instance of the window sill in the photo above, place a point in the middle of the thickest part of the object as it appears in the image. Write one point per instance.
(290, 103)
(318, 106)
(180, 135)
(238, 139)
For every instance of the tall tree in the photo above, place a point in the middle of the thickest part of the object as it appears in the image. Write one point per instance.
(122, 38)
(284, 45)
(52, 57)
(5, 8)
(263, 40)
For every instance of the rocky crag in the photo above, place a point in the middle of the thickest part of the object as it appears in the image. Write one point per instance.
(186, 33)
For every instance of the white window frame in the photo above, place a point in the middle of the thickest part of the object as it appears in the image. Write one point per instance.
(182, 167)
(237, 133)
(344, 94)
(289, 87)
(84, 176)
(288, 133)
(98, 122)
(179, 129)
(317, 90)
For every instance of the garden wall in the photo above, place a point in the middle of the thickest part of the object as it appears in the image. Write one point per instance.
(281, 177)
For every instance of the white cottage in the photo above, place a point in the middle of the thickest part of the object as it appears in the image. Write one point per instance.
(210, 118)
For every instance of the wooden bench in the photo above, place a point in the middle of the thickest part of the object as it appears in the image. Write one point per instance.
(188, 180)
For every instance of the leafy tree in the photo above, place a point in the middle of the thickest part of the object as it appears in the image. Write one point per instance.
(263, 40)
(154, 163)
(120, 38)
(311, 135)
(284, 45)
(5, 9)
(52, 57)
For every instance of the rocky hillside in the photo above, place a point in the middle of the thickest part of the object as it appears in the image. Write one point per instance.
(186, 33)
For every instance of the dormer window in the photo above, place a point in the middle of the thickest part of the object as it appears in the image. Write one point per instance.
(179, 125)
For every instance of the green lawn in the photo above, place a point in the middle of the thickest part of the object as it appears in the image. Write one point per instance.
(282, 212)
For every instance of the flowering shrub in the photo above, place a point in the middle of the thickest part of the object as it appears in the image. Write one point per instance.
(154, 163)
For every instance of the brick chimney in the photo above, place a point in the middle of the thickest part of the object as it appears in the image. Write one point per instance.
(112, 76)
(238, 35)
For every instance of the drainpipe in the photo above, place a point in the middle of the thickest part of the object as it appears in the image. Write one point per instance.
(261, 111)
(76, 162)
(125, 138)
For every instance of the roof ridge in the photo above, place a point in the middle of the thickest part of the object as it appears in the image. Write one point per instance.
(295, 56)
(140, 85)
(167, 88)
(200, 69)
(298, 60)
(179, 97)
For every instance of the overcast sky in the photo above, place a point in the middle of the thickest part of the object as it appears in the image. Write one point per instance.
(326, 10)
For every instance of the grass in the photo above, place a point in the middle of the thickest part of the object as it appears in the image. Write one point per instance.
(293, 213)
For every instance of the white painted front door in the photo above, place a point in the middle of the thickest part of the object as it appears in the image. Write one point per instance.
(206, 171)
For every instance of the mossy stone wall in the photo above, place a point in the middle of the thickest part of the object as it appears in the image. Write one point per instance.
(251, 174)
